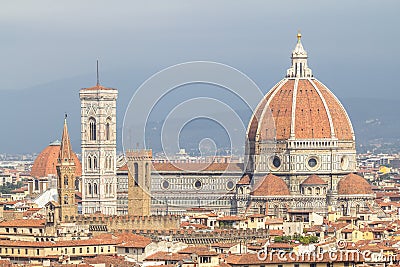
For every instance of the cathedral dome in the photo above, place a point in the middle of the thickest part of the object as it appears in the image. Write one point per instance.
(353, 184)
(271, 185)
(300, 107)
(46, 162)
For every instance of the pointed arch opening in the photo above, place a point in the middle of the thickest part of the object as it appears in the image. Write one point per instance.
(92, 129)
(107, 132)
(136, 167)
(95, 162)
(77, 184)
(95, 188)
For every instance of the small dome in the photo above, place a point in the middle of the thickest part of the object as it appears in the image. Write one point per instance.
(271, 185)
(46, 162)
(314, 180)
(353, 184)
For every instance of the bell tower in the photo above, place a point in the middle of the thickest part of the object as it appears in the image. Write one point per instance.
(98, 143)
(139, 182)
(66, 177)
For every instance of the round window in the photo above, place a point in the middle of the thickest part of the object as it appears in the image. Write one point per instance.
(165, 184)
(230, 185)
(344, 163)
(276, 161)
(312, 162)
(197, 184)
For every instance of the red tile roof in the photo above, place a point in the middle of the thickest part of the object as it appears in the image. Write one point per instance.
(314, 180)
(97, 87)
(194, 167)
(314, 102)
(23, 223)
(165, 256)
(353, 184)
(271, 185)
(245, 180)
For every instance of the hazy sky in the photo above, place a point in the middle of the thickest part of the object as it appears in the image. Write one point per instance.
(353, 47)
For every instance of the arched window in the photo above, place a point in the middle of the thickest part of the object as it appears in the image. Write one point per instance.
(77, 187)
(90, 189)
(317, 191)
(261, 209)
(89, 162)
(136, 166)
(95, 162)
(95, 188)
(309, 191)
(109, 162)
(65, 199)
(147, 178)
(147, 171)
(108, 122)
(66, 180)
(106, 189)
(92, 129)
(110, 189)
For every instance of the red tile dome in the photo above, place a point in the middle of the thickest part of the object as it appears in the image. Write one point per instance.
(300, 107)
(46, 162)
(353, 184)
(271, 185)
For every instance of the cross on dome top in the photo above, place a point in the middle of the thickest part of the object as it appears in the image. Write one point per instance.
(299, 68)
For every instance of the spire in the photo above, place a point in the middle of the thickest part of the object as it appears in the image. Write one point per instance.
(65, 148)
(97, 71)
(299, 67)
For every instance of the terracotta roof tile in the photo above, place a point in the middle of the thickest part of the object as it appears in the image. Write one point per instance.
(46, 162)
(97, 87)
(163, 256)
(314, 180)
(254, 259)
(245, 180)
(311, 118)
(271, 185)
(218, 167)
(23, 223)
(229, 218)
(353, 184)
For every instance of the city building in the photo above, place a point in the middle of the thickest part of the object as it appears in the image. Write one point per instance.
(44, 172)
(98, 142)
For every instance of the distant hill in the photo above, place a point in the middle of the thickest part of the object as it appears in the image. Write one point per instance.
(33, 117)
